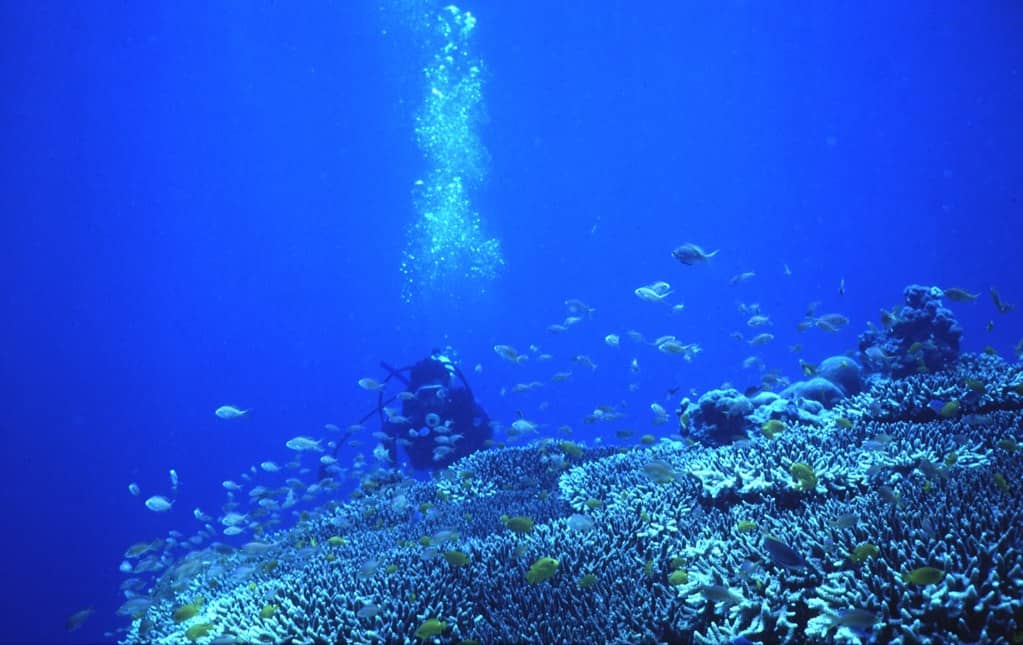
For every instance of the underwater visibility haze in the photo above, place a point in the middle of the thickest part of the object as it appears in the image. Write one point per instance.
(499, 322)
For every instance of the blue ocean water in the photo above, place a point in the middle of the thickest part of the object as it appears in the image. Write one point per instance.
(211, 204)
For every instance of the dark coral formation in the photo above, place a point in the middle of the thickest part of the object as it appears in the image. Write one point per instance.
(921, 336)
(817, 389)
(718, 417)
(844, 372)
(722, 416)
(822, 533)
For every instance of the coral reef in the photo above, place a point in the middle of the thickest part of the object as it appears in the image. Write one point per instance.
(844, 372)
(817, 389)
(718, 417)
(885, 520)
(922, 336)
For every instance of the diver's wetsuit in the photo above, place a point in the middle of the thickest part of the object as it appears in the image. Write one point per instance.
(443, 406)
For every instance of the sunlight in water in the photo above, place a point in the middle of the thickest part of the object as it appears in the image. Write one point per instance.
(446, 245)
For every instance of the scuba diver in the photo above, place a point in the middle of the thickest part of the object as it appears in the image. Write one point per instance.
(440, 420)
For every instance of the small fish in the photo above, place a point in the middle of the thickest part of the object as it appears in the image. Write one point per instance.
(230, 485)
(860, 619)
(1002, 307)
(522, 425)
(772, 428)
(761, 339)
(649, 295)
(758, 320)
(256, 548)
(674, 347)
(139, 548)
(579, 522)
(134, 606)
(660, 472)
(782, 554)
(583, 359)
(576, 306)
(889, 495)
(956, 294)
(841, 287)
(134, 489)
(368, 610)
(978, 420)
(158, 503)
(828, 322)
(509, 353)
(230, 412)
(368, 570)
(690, 254)
(931, 470)
(174, 479)
(950, 409)
(612, 340)
(75, 620)
(863, 551)
(741, 277)
(440, 452)
(845, 521)
(444, 535)
(923, 576)
(370, 384)
(721, 593)
(302, 443)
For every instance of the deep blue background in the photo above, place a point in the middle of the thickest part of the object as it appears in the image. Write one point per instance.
(206, 204)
